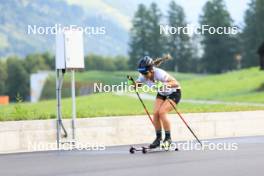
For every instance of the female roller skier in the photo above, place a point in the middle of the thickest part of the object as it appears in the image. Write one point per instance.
(168, 89)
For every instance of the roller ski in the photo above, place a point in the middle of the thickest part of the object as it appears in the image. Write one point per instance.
(166, 145)
(156, 146)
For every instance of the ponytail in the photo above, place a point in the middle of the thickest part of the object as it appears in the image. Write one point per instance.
(159, 61)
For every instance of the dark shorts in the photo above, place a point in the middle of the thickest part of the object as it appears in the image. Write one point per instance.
(175, 96)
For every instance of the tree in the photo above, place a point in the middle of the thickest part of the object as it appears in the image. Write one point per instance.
(18, 79)
(120, 63)
(3, 77)
(96, 62)
(145, 38)
(219, 49)
(252, 35)
(178, 44)
(139, 43)
(35, 62)
(49, 60)
(259, 20)
(155, 39)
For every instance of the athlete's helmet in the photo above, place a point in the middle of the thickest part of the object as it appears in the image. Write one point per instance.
(145, 64)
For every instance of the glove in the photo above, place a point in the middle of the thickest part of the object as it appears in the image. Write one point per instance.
(130, 82)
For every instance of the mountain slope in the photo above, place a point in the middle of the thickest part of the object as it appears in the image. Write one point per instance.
(16, 15)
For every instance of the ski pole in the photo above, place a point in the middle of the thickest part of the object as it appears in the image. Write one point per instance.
(185, 122)
(145, 108)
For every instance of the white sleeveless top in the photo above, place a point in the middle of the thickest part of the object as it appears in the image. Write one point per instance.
(159, 75)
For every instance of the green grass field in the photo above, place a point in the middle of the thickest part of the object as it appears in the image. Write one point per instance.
(238, 86)
(103, 104)
(241, 86)
(119, 76)
(90, 77)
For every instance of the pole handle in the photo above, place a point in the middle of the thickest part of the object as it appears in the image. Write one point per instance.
(130, 78)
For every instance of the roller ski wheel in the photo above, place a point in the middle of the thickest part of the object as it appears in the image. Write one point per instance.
(144, 150)
(132, 150)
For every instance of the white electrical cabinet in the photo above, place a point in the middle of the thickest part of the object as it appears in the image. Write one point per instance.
(69, 50)
(69, 56)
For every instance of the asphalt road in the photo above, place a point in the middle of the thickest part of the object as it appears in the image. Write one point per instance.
(247, 160)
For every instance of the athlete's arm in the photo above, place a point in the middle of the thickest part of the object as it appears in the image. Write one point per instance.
(172, 82)
(167, 79)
